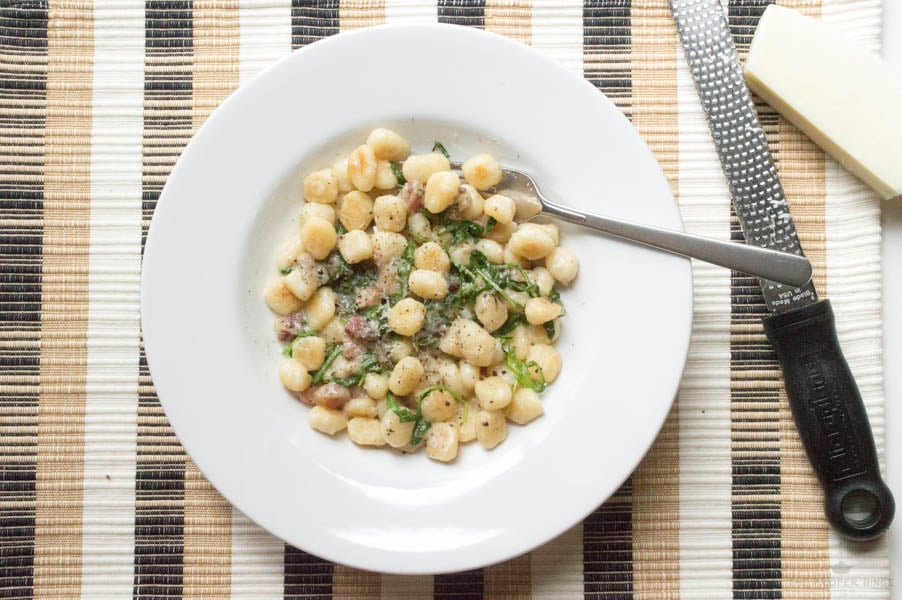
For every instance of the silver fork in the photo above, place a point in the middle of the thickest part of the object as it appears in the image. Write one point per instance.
(772, 265)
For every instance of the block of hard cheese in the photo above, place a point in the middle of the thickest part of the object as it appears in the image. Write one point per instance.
(843, 97)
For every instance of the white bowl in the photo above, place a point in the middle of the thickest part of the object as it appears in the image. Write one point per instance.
(234, 195)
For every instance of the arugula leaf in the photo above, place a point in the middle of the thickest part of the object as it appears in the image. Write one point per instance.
(396, 171)
(286, 270)
(514, 320)
(421, 428)
(340, 228)
(287, 350)
(461, 231)
(368, 364)
(441, 148)
(405, 265)
(521, 370)
(330, 358)
(405, 415)
(435, 388)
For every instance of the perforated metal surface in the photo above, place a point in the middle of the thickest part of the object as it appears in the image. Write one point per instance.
(740, 141)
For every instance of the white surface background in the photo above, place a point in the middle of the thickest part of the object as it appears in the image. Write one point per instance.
(892, 290)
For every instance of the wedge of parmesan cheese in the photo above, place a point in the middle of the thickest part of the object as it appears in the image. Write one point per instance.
(843, 97)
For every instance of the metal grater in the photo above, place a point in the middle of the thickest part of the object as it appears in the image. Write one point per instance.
(740, 141)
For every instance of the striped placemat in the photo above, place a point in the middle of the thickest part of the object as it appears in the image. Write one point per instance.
(97, 497)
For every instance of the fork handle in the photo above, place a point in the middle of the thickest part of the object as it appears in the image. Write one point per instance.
(772, 265)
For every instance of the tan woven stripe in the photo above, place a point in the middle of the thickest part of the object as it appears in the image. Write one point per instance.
(804, 549)
(208, 516)
(510, 580)
(512, 18)
(656, 482)
(64, 304)
(355, 14)
(354, 584)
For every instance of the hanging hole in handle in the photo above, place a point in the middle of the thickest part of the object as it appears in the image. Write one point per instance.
(860, 508)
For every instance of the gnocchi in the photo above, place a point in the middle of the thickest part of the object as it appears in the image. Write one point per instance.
(416, 311)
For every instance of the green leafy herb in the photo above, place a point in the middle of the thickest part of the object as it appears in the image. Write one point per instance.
(340, 228)
(286, 270)
(416, 236)
(405, 415)
(549, 329)
(435, 388)
(368, 364)
(421, 428)
(287, 350)
(396, 170)
(330, 358)
(555, 295)
(492, 275)
(441, 148)
(378, 316)
(438, 315)
(354, 277)
(534, 380)
(405, 265)
(514, 320)
(461, 231)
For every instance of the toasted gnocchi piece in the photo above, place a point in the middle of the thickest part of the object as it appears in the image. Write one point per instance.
(466, 418)
(395, 433)
(364, 431)
(312, 209)
(491, 428)
(563, 265)
(501, 208)
(521, 341)
(418, 167)
(319, 237)
(355, 246)
(525, 406)
(293, 375)
(430, 285)
(541, 310)
(321, 187)
(399, 349)
(390, 213)
(441, 442)
(280, 298)
(310, 351)
(438, 405)
(375, 385)
(362, 168)
(334, 332)
(387, 245)
(490, 310)
(531, 241)
(548, 359)
(405, 376)
(326, 420)
(466, 339)
(542, 278)
(482, 171)
(407, 316)
(418, 226)
(362, 406)
(340, 172)
(385, 176)
(501, 232)
(431, 257)
(289, 252)
(492, 250)
(388, 145)
(356, 210)
(470, 202)
(320, 308)
(441, 191)
(469, 375)
(493, 393)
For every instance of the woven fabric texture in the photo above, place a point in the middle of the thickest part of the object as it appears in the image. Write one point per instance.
(98, 498)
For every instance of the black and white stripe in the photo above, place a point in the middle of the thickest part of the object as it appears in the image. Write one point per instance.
(23, 85)
(160, 471)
